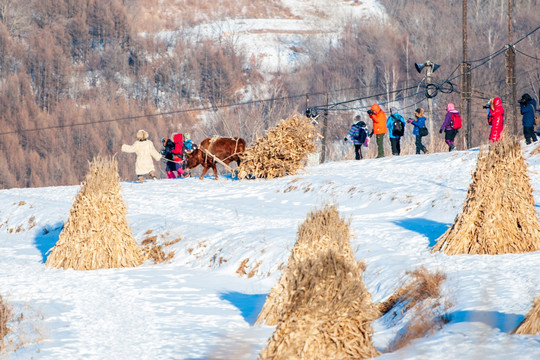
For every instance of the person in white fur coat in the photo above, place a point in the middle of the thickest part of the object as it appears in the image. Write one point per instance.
(145, 151)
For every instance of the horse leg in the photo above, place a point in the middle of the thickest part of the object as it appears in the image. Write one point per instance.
(205, 169)
(214, 169)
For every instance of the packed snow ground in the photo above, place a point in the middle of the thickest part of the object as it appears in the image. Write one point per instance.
(198, 307)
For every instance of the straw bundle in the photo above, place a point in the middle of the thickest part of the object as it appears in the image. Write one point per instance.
(329, 313)
(322, 230)
(531, 323)
(499, 215)
(97, 234)
(320, 304)
(281, 151)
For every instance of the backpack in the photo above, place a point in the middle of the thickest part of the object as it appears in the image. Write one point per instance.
(178, 140)
(397, 128)
(362, 135)
(455, 121)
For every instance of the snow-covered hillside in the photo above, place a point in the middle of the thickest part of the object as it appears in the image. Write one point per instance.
(280, 44)
(199, 306)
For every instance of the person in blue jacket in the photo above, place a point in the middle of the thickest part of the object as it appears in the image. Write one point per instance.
(396, 132)
(528, 109)
(419, 123)
(358, 134)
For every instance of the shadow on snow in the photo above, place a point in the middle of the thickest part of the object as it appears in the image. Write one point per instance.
(504, 322)
(47, 238)
(429, 228)
(249, 305)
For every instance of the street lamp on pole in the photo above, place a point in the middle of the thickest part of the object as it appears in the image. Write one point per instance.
(430, 68)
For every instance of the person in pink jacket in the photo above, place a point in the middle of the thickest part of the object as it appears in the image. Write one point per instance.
(496, 119)
(450, 131)
(145, 151)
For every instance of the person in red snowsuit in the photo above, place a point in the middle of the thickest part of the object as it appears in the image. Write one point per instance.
(496, 119)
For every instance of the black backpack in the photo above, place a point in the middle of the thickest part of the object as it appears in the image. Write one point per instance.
(398, 128)
(362, 134)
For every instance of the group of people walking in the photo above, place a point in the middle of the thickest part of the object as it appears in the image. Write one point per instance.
(172, 154)
(394, 125)
(174, 149)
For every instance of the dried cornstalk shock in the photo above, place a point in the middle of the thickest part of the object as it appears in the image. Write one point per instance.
(320, 305)
(97, 234)
(499, 215)
(282, 151)
(531, 324)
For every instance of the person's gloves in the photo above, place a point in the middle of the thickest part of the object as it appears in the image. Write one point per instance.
(440, 131)
(345, 139)
(371, 134)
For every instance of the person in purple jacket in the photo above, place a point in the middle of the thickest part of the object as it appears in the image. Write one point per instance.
(449, 131)
(358, 134)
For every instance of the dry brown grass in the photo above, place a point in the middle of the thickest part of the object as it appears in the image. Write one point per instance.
(422, 297)
(157, 252)
(531, 324)
(499, 214)
(320, 305)
(5, 316)
(97, 234)
(282, 151)
(423, 285)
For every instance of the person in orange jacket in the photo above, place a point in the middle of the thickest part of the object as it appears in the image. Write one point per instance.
(496, 119)
(379, 127)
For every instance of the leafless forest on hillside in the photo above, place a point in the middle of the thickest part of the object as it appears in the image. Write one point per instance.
(79, 77)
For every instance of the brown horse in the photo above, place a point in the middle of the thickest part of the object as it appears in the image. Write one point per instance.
(225, 149)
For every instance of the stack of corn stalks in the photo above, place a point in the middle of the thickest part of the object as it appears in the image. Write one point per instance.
(321, 306)
(531, 324)
(97, 234)
(282, 151)
(499, 215)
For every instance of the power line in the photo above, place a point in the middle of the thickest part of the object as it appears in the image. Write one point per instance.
(527, 55)
(331, 107)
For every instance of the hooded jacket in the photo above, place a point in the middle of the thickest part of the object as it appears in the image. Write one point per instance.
(420, 121)
(145, 151)
(354, 132)
(447, 124)
(496, 119)
(527, 110)
(379, 120)
(390, 123)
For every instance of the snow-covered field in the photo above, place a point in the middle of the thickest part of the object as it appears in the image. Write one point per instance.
(198, 307)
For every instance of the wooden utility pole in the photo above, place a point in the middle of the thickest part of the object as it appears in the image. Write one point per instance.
(511, 74)
(430, 108)
(466, 82)
(322, 159)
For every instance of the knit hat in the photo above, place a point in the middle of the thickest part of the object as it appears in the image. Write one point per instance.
(419, 112)
(393, 110)
(142, 135)
(450, 107)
